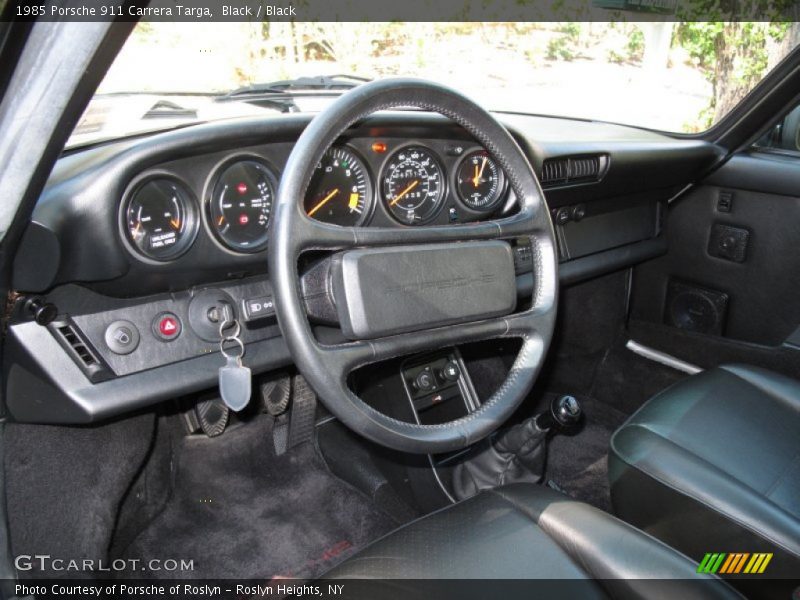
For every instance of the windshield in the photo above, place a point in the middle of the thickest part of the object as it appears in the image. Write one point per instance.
(671, 76)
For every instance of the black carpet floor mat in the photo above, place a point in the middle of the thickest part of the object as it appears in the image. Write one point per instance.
(578, 463)
(239, 511)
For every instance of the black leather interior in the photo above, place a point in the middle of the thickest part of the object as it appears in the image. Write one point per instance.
(525, 531)
(515, 455)
(712, 464)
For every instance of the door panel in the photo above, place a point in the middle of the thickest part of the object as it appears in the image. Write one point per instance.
(729, 285)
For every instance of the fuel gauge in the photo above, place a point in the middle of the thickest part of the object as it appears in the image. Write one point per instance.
(160, 218)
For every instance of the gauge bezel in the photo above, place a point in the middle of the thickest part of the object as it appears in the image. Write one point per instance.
(192, 217)
(440, 202)
(208, 199)
(503, 187)
(369, 197)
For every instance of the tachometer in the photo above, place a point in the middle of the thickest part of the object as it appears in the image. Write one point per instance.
(480, 181)
(160, 218)
(413, 185)
(240, 205)
(340, 191)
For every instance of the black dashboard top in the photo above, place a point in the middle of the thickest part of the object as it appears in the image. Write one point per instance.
(415, 168)
(136, 243)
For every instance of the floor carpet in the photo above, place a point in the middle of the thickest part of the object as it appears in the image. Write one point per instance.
(578, 463)
(239, 511)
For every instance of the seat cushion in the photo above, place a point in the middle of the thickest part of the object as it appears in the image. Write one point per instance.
(712, 464)
(525, 531)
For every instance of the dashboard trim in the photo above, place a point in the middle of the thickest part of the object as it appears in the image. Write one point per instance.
(74, 253)
(72, 210)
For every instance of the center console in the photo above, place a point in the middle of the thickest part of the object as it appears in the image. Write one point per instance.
(438, 387)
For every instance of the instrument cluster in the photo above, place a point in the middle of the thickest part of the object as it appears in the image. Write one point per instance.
(413, 182)
(357, 183)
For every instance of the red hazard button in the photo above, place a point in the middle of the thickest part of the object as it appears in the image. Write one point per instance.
(167, 326)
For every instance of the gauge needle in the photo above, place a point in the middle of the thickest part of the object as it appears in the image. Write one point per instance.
(220, 221)
(176, 224)
(323, 202)
(399, 196)
(478, 174)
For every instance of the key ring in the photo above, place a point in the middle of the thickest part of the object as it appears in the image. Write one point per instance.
(225, 324)
(225, 353)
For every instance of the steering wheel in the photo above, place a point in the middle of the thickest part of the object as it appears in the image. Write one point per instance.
(459, 308)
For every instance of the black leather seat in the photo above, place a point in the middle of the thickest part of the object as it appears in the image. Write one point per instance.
(712, 464)
(525, 531)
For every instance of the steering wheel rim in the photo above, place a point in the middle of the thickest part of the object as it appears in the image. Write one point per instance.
(327, 367)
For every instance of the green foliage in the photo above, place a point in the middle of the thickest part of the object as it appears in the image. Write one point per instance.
(571, 30)
(635, 45)
(565, 46)
(736, 10)
(731, 53)
(632, 51)
(704, 42)
(700, 40)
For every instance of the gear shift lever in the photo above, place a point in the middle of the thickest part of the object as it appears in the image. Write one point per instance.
(565, 412)
(516, 454)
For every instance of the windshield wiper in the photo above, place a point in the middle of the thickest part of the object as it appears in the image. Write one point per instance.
(280, 94)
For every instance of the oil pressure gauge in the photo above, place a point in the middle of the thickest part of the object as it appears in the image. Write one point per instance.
(240, 205)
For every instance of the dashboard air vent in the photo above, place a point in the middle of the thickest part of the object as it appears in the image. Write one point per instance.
(74, 341)
(82, 353)
(567, 170)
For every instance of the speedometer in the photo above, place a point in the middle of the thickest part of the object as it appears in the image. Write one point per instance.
(240, 205)
(413, 185)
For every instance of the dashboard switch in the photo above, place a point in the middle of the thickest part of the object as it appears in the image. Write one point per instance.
(424, 381)
(451, 372)
(563, 216)
(122, 337)
(258, 308)
(167, 326)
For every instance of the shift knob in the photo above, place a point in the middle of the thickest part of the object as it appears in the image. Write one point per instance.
(565, 412)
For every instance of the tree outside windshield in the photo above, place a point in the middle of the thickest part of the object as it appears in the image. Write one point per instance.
(673, 76)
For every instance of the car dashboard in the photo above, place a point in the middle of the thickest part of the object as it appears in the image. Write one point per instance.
(136, 245)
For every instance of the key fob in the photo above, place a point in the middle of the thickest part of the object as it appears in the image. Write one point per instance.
(235, 383)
